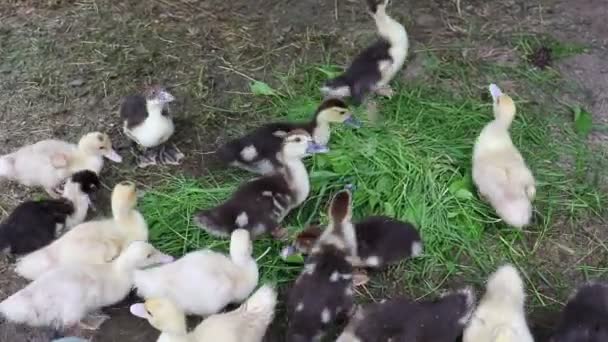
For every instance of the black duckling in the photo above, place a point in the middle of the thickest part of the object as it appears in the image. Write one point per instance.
(404, 320)
(261, 204)
(376, 66)
(34, 224)
(146, 121)
(585, 317)
(323, 292)
(257, 151)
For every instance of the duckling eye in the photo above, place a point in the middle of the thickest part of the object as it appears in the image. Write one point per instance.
(298, 140)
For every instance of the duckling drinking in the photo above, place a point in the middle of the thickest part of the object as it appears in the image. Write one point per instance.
(499, 171)
(248, 323)
(376, 66)
(204, 282)
(500, 316)
(146, 121)
(261, 204)
(34, 224)
(258, 151)
(93, 242)
(401, 319)
(323, 292)
(48, 163)
(62, 297)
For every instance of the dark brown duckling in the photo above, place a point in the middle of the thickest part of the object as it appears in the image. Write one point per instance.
(257, 151)
(261, 204)
(323, 293)
(405, 320)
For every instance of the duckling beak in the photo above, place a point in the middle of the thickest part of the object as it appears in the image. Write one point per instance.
(495, 92)
(139, 310)
(113, 156)
(165, 97)
(165, 258)
(353, 122)
(288, 251)
(313, 148)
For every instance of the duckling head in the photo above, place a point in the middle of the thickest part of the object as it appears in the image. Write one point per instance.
(336, 111)
(298, 144)
(98, 144)
(157, 95)
(162, 314)
(340, 232)
(140, 254)
(82, 183)
(307, 238)
(377, 5)
(504, 107)
(124, 198)
(240, 244)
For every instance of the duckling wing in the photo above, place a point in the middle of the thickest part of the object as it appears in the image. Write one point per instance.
(133, 111)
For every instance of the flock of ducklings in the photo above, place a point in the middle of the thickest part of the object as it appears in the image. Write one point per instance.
(76, 267)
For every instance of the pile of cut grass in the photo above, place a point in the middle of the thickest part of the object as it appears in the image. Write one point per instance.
(415, 165)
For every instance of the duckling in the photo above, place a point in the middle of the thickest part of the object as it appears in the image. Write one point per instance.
(248, 323)
(48, 163)
(401, 319)
(62, 297)
(376, 66)
(204, 282)
(146, 121)
(499, 171)
(258, 151)
(585, 317)
(323, 292)
(93, 242)
(261, 204)
(34, 224)
(500, 316)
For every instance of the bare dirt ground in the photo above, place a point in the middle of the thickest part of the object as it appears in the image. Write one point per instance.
(64, 65)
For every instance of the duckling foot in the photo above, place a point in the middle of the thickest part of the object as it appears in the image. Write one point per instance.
(279, 233)
(93, 321)
(360, 277)
(372, 111)
(161, 155)
(386, 91)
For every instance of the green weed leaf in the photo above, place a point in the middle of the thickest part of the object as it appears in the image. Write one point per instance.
(583, 122)
(259, 88)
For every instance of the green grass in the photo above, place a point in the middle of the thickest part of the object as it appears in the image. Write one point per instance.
(415, 166)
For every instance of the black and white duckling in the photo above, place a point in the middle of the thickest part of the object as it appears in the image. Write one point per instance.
(261, 204)
(323, 292)
(146, 121)
(401, 319)
(63, 297)
(34, 224)
(585, 317)
(49, 163)
(376, 66)
(258, 151)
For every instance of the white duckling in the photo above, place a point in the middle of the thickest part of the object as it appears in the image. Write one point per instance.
(500, 316)
(146, 121)
(204, 282)
(323, 292)
(261, 204)
(376, 66)
(48, 163)
(499, 171)
(93, 242)
(62, 297)
(585, 317)
(34, 224)
(248, 323)
(258, 151)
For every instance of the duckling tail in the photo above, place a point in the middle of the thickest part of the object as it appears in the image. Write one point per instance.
(7, 164)
(515, 212)
(228, 153)
(262, 303)
(505, 287)
(208, 221)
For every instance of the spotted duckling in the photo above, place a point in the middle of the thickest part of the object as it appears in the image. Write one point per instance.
(146, 121)
(261, 204)
(401, 319)
(376, 66)
(34, 224)
(49, 163)
(323, 292)
(258, 151)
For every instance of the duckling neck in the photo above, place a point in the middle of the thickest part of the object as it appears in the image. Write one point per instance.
(154, 109)
(81, 207)
(174, 337)
(503, 120)
(249, 273)
(133, 225)
(320, 131)
(83, 159)
(297, 179)
(389, 28)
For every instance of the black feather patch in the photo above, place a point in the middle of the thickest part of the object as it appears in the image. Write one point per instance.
(88, 180)
(133, 110)
(32, 225)
(585, 317)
